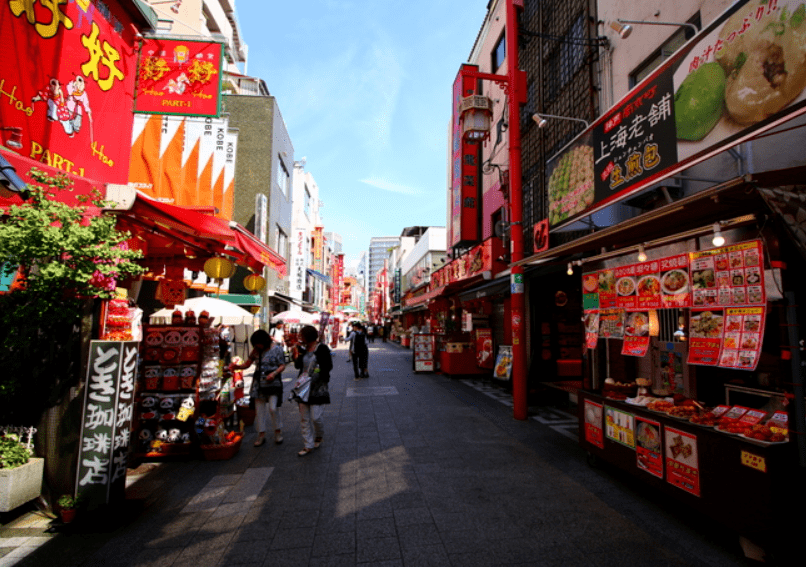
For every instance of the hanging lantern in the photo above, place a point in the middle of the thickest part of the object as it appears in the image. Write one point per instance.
(219, 268)
(254, 283)
(476, 115)
(254, 309)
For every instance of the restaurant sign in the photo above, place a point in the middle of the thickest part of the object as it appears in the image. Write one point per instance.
(740, 76)
(475, 262)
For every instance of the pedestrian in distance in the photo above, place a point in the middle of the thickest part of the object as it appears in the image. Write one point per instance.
(314, 361)
(360, 351)
(267, 384)
(371, 332)
(382, 333)
(349, 340)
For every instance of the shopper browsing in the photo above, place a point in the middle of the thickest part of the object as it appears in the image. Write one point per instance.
(314, 361)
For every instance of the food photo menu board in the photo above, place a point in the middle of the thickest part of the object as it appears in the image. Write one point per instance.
(722, 286)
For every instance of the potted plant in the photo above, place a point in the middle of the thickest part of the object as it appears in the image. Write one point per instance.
(20, 474)
(67, 507)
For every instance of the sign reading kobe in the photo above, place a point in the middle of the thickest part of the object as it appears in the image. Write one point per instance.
(179, 77)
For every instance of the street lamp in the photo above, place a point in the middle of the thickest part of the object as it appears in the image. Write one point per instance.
(541, 121)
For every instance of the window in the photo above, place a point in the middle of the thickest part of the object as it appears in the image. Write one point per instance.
(563, 64)
(665, 51)
(499, 53)
(282, 177)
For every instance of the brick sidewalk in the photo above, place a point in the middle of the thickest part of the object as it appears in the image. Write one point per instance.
(414, 470)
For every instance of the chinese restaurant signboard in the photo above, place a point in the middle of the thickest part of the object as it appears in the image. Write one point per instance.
(67, 82)
(179, 77)
(742, 75)
(464, 191)
(475, 262)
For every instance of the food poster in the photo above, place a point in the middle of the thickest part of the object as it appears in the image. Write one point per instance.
(648, 454)
(607, 289)
(626, 293)
(705, 336)
(591, 328)
(636, 334)
(503, 364)
(674, 281)
(730, 275)
(744, 330)
(648, 288)
(570, 180)
(590, 290)
(682, 464)
(620, 426)
(611, 323)
(593, 424)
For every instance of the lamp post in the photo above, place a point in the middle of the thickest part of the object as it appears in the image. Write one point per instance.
(514, 86)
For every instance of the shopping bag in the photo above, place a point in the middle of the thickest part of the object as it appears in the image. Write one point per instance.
(302, 388)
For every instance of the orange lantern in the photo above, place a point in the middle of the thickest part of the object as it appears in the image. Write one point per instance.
(254, 283)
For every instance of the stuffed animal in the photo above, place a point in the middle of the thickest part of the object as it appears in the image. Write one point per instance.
(174, 435)
(186, 409)
(145, 438)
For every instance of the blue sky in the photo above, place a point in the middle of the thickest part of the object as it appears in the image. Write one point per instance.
(364, 88)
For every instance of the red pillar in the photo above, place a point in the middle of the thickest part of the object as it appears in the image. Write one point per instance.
(517, 97)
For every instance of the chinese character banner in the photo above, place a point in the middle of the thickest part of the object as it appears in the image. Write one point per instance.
(67, 82)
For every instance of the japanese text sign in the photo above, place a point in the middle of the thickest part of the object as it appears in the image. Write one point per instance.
(106, 423)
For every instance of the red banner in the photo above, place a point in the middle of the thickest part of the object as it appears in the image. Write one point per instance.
(179, 77)
(67, 83)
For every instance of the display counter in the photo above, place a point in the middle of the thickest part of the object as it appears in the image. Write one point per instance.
(459, 363)
(743, 484)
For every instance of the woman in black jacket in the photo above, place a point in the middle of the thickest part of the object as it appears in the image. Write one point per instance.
(313, 359)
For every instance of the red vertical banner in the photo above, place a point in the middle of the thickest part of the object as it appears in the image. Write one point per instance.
(318, 246)
(67, 83)
(179, 77)
(463, 206)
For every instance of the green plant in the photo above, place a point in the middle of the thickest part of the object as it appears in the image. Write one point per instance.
(67, 502)
(12, 452)
(66, 256)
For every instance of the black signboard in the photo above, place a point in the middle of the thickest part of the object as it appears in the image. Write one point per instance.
(106, 423)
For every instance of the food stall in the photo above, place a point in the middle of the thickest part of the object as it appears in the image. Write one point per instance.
(688, 383)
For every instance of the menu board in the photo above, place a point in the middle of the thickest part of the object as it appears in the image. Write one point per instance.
(744, 329)
(611, 323)
(423, 353)
(682, 463)
(674, 281)
(590, 290)
(607, 289)
(620, 426)
(593, 424)
(728, 276)
(648, 454)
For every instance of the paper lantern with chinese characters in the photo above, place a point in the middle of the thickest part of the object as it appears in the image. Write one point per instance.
(219, 268)
(254, 283)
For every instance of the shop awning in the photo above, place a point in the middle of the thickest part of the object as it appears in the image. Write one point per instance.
(490, 288)
(319, 276)
(202, 232)
(731, 199)
(241, 298)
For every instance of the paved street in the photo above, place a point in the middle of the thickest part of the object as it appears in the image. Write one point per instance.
(414, 470)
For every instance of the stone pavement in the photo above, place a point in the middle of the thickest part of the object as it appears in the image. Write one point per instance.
(415, 469)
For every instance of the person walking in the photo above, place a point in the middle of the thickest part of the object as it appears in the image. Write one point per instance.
(371, 333)
(382, 333)
(267, 384)
(360, 352)
(314, 361)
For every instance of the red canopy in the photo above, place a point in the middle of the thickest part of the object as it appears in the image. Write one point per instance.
(193, 233)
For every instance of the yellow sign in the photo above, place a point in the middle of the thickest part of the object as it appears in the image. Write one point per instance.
(754, 461)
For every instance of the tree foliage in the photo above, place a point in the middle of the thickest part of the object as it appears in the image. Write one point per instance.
(67, 256)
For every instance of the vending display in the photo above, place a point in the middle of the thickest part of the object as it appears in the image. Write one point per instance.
(424, 350)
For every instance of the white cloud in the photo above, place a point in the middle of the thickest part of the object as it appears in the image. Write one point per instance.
(386, 185)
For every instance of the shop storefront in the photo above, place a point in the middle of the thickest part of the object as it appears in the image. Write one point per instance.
(692, 380)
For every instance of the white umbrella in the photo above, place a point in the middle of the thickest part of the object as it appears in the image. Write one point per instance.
(294, 317)
(220, 311)
(348, 310)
